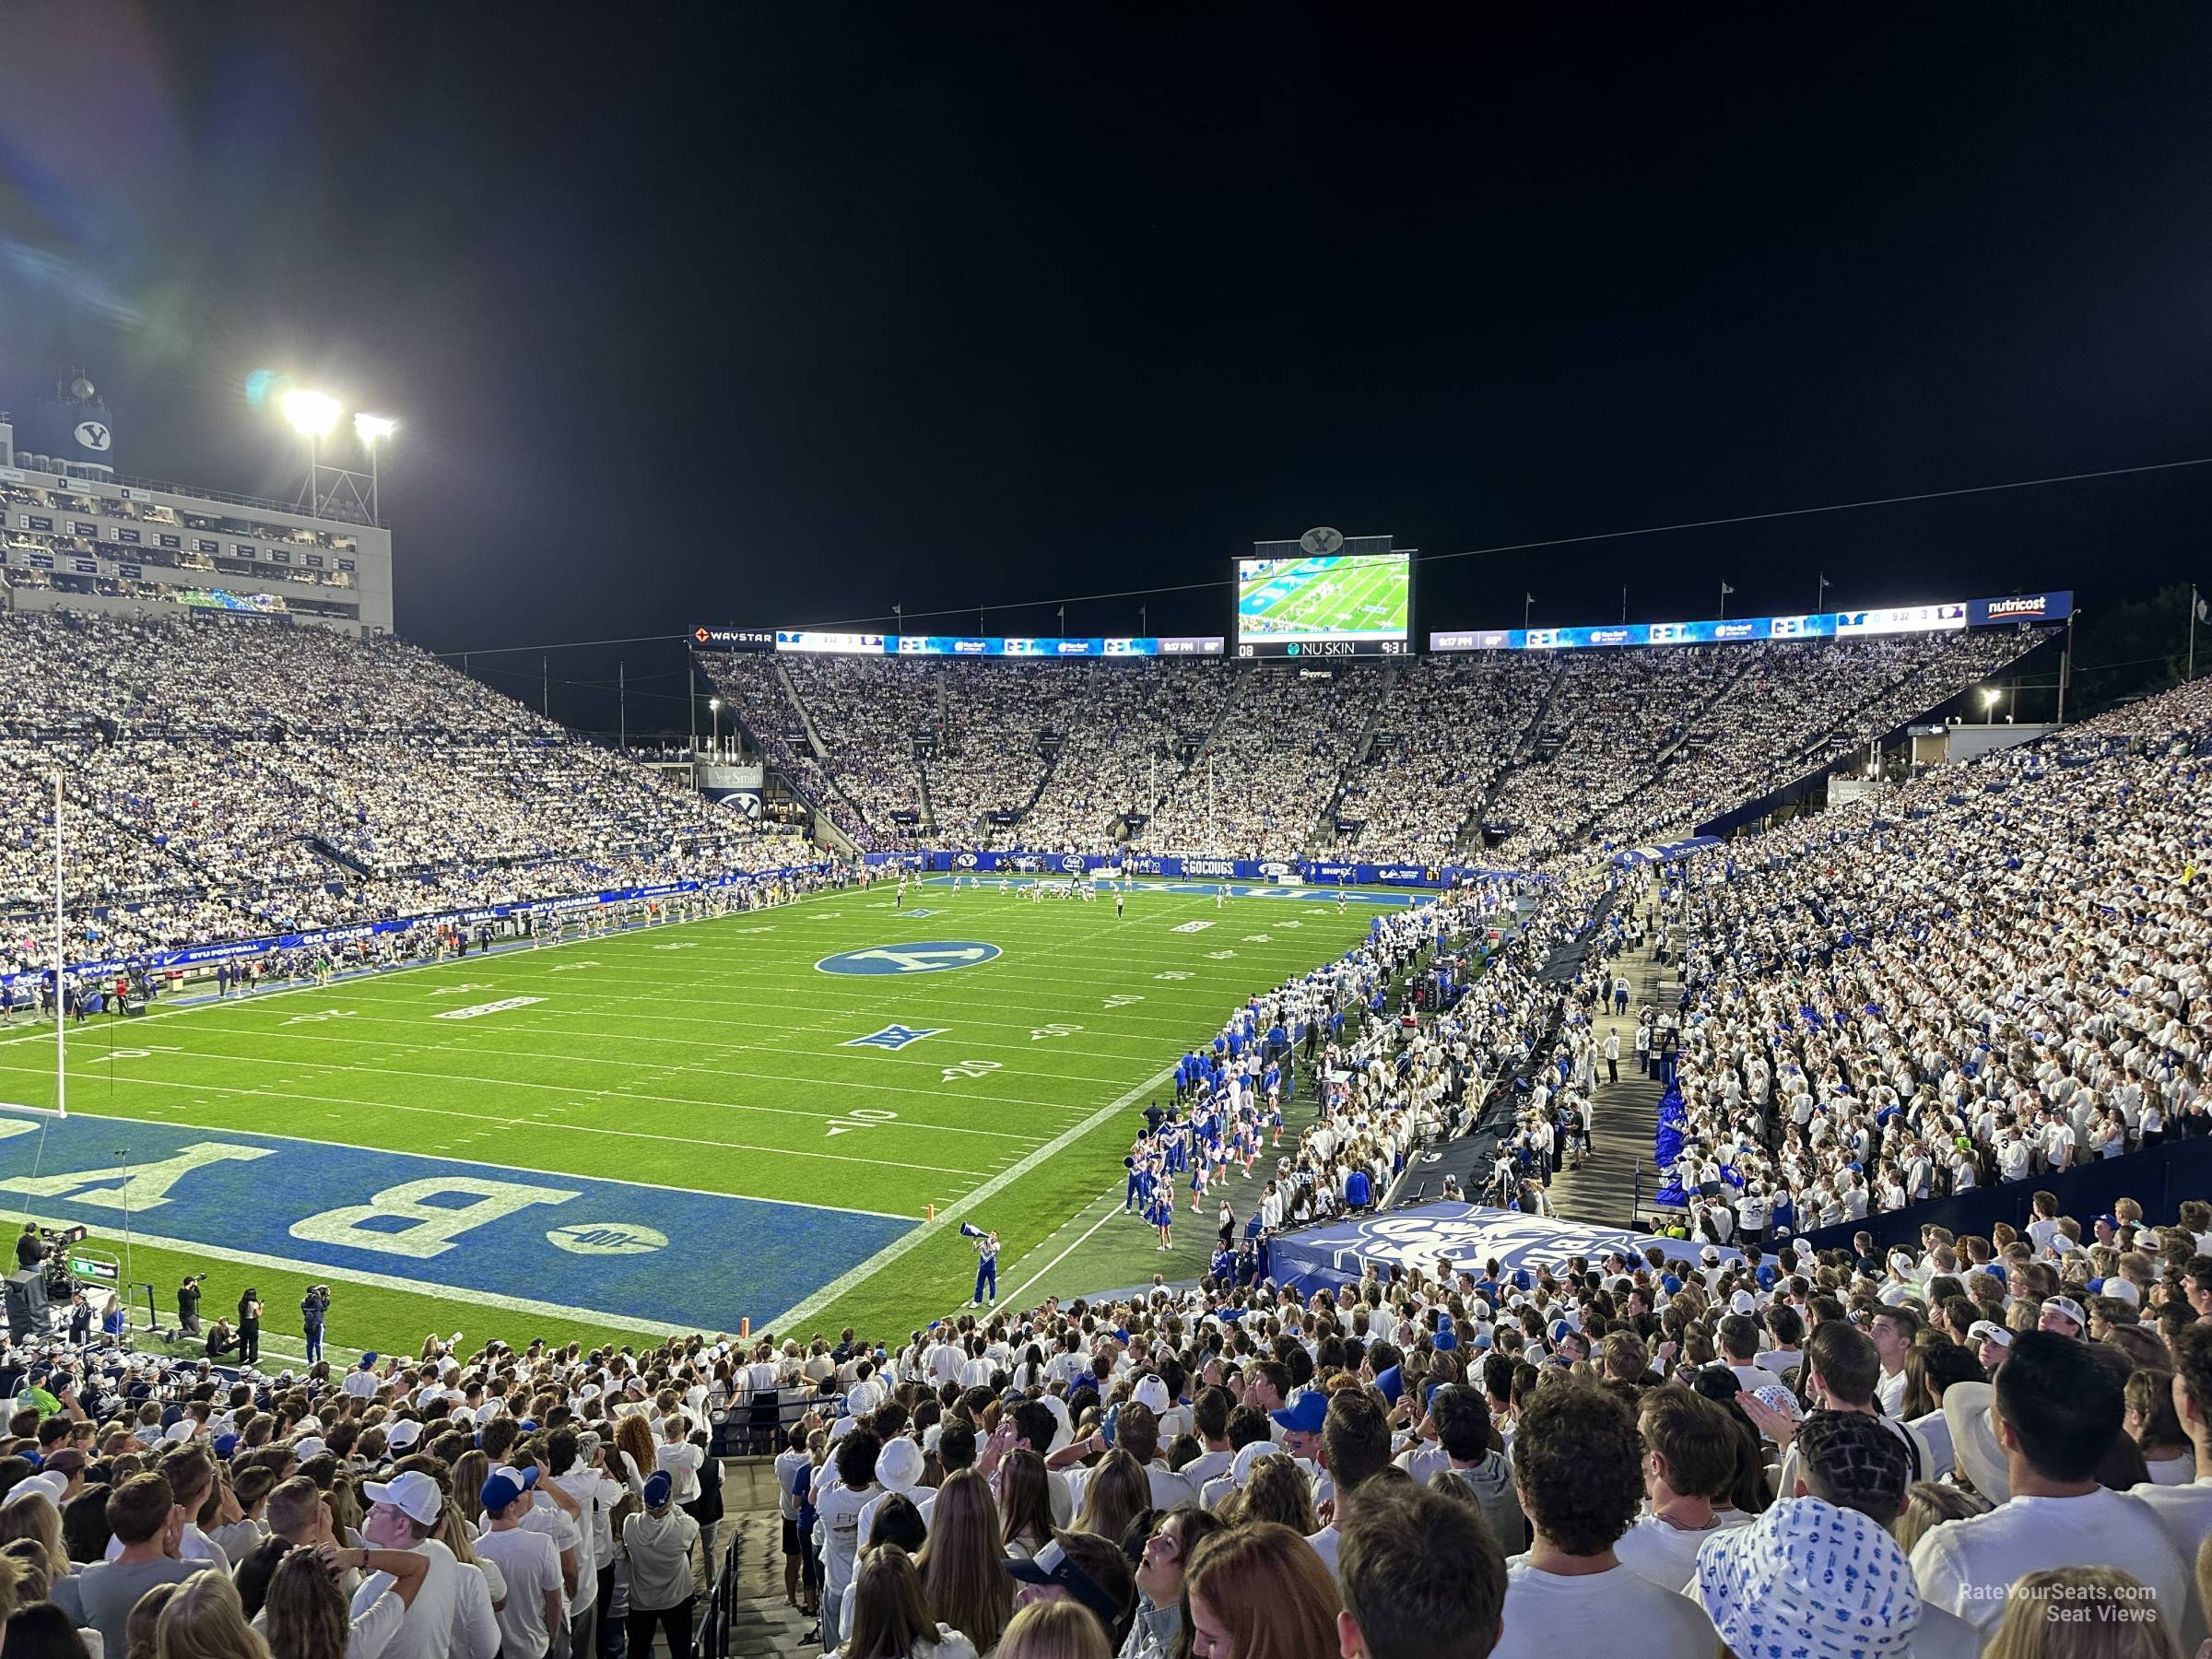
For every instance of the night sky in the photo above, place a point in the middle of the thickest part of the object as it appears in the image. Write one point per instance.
(785, 315)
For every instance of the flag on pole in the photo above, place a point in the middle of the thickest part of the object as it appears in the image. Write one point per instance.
(1528, 598)
(1725, 589)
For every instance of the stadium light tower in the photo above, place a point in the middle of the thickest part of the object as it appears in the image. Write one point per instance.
(311, 415)
(373, 430)
(1989, 704)
(714, 745)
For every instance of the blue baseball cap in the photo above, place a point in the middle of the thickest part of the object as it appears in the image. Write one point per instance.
(505, 1486)
(659, 1487)
(1306, 1413)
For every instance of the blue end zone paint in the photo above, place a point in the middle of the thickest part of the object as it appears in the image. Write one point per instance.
(919, 956)
(319, 1204)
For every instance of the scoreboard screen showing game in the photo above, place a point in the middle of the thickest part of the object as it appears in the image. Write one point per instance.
(1339, 605)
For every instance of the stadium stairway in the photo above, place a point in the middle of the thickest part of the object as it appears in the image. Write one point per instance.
(1603, 1190)
(1470, 831)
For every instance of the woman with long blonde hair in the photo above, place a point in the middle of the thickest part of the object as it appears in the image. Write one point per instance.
(1055, 1629)
(35, 1517)
(471, 1470)
(1117, 1494)
(1278, 1492)
(2107, 1614)
(891, 1615)
(962, 1563)
(1260, 1592)
(203, 1621)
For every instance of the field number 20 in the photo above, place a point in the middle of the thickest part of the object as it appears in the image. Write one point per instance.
(971, 1068)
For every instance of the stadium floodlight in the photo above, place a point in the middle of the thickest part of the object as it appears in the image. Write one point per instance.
(373, 430)
(313, 413)
(1989, 697)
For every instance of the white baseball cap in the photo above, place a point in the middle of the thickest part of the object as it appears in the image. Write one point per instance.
(415, 1495)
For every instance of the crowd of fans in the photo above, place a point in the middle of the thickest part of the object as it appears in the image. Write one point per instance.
(1452, 728)
(1276, 761)
(544, 1502)
(1792, 712)
(1961, 1449)
(1988, 975)
(1262, 783)
(227, 779)
(1367, 1058)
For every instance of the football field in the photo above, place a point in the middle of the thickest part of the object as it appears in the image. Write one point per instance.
(670, 1129)
(1324, 599)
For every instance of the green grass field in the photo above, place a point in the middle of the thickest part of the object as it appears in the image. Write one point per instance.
(1317, 598)
(709, 1059)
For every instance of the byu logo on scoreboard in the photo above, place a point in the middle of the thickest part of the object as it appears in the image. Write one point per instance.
(893, 1037)
(94, 434)
(923, 956)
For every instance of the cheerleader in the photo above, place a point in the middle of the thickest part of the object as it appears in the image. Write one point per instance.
(1275, 1118)
(1198, 1184)
(1163, 1218)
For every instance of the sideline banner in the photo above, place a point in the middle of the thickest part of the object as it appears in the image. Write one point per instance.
(155, 961)
(1305, 872)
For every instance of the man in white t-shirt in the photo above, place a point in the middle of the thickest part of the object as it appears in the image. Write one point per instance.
(677, 1455)
(1689, 1459)
(2055, 1411)
(441, 1622)
(1578, 1459)
(596, 1493)
(1893, 1330)
(529, 1562)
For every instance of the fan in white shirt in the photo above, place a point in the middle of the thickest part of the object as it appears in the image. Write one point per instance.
(2184, 1512)
(1689, 1462)
(2055, 1411)
(1579, 1482)
(680, 1458)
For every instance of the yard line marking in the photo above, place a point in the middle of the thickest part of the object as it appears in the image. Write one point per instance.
(1016, 1295)
(899, 1247)
(396, 1071)
(782, 1046)
(519, 1123)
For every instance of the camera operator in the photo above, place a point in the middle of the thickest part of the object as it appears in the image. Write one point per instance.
(314, 1307)
(188, 1304)
(31, 1250)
